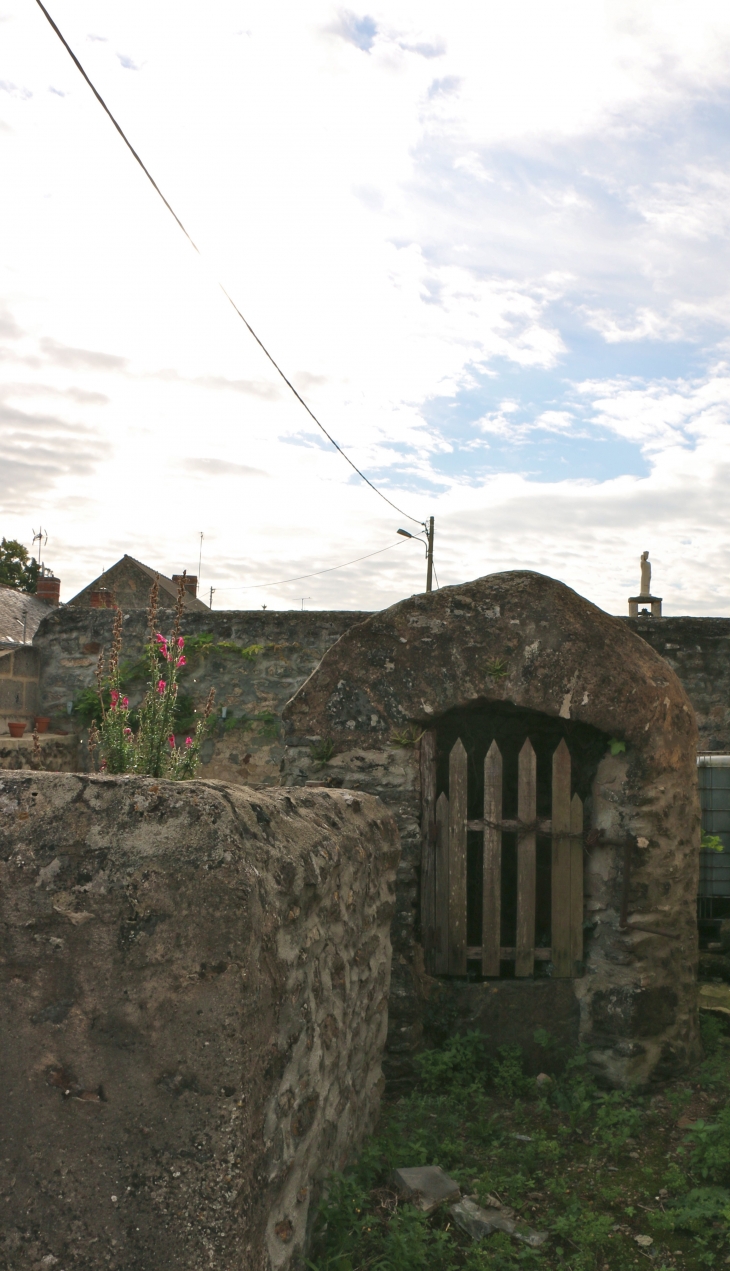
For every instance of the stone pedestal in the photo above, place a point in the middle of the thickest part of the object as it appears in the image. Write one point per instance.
(636, 612)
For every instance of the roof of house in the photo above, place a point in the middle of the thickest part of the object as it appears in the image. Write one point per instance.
(167, 588)
(18, 608)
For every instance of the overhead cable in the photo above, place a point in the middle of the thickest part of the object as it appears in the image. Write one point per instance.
(301, 577)
(228, 297)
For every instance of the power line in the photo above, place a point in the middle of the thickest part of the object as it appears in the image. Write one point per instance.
(301, 577)
(229, 298)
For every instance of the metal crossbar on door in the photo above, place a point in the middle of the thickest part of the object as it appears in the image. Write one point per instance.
(444, 868)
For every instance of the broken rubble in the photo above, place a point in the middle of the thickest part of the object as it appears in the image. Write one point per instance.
(427, 1186)
(478, 1222)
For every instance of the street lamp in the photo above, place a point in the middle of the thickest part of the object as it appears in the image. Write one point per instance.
(428, 531)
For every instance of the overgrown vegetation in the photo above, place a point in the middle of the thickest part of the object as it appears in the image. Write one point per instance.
(147, 744)
(615, 1177)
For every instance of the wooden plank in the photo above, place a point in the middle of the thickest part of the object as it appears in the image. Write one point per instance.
(507, 953)
(544, 825)
(492, 868)
(457, 859)
(561, 857)
(441, 889)
(576, 885)
(526, 812)
(428, 845)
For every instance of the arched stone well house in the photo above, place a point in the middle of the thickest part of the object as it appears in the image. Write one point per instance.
(540, 760)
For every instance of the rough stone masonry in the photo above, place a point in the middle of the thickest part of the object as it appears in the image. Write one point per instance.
(195, 983)
(526, 643)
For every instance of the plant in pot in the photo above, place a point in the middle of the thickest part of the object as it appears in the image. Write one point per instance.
(16, 727)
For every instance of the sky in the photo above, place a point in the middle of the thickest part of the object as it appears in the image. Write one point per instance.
(487, 243)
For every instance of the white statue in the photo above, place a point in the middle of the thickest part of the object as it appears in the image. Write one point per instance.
(645, 589)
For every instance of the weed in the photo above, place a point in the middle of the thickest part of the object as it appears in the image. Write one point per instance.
(711, 842)
(574, 1091)
(616, 746)
(711, 1143)
(508, 1074)
(712, 1031)
(322, 751)
(497, 669)
(408, 739)
(618, 1118)
(460, 1062)
(695, 1210)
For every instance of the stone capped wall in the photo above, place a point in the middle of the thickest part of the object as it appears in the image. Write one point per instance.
(698, 651)
(194, 1002)
(247, 746)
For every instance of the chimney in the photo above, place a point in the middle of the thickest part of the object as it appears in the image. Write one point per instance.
(191, 583)
(103, 598)
(48, 588)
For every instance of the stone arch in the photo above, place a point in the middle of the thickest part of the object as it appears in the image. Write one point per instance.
(526, 640)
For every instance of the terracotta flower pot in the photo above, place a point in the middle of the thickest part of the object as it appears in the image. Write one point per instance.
(42, 722)
(16, 729)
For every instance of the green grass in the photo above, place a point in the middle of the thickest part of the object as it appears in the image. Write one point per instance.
(594, 1168)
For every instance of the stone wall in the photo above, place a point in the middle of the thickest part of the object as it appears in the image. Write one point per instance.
(698, 651)
(58, 754)
(19, 671)
(246, 747)
(526, 643)
(194, 1002)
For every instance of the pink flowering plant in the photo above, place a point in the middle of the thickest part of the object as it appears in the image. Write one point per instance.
(152, 749)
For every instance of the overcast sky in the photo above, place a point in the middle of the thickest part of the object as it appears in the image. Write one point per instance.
(488, 243)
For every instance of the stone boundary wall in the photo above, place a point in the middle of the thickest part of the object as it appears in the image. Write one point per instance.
(293, 643)
(698, 651)
(58, 754)
(246, 747)
(194, 998)
(19, 672)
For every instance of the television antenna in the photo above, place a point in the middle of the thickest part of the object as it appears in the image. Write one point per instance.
(41, 537)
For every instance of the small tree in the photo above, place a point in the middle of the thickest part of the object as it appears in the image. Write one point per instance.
(151, 751)
(16, 569)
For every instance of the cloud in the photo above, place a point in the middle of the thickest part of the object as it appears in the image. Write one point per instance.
(58, 92)
(83, 396)
(80, 359)
(216, 383)
(39, 450)
(127, 62)
(444, 87)
(14, 91)
(202, 467)
(360, 31)
(437, 48)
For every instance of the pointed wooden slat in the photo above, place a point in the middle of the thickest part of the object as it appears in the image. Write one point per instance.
(457, 860)
(428, 846)
(441, 897)
(492, 872)
(526, 812)
(576, 885)
(560, 875)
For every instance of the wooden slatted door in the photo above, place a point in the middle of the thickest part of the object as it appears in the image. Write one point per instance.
(444, 873)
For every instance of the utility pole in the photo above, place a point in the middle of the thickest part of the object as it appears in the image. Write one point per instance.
(210, 602)
(428, 531)
(429, 556)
